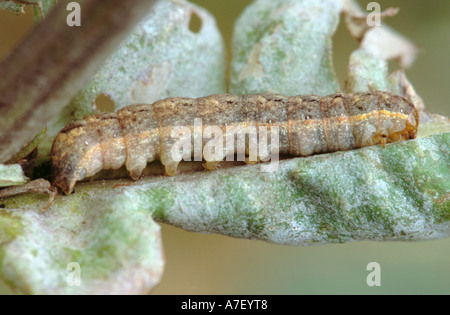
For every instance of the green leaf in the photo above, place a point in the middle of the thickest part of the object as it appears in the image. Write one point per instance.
(116, 244)
(11, 175)
(397, 193)
(285, 47)
(365, 72)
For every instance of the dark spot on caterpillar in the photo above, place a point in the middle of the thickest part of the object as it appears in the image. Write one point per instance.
(307, 124)
(2, 205)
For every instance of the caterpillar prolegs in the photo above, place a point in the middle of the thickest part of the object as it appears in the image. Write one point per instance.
(306, 124)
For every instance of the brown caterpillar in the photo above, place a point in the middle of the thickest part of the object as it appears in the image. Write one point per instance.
(309, 124)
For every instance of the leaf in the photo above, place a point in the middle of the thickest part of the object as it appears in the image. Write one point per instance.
(381, 41)
(13, 7)
(285, 47)
(356, 19)
(11, 175)
(116, 244)
(366, 72)
(397, 193)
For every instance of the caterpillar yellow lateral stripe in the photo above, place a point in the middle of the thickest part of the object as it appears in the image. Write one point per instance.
(307, 125)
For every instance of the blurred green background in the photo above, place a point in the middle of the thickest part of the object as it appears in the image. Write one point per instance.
(214, 264)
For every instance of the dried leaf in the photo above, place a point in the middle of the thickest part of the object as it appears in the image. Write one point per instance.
(382, 42)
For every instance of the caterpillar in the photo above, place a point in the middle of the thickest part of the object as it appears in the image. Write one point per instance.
(307, 124)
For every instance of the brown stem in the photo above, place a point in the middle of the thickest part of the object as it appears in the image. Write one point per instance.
(55, 61)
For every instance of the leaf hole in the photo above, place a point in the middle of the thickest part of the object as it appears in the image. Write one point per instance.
(195, 23)
(104, 103)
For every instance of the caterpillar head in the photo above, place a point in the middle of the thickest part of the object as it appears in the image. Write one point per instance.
(75, 155)
(399, 125)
